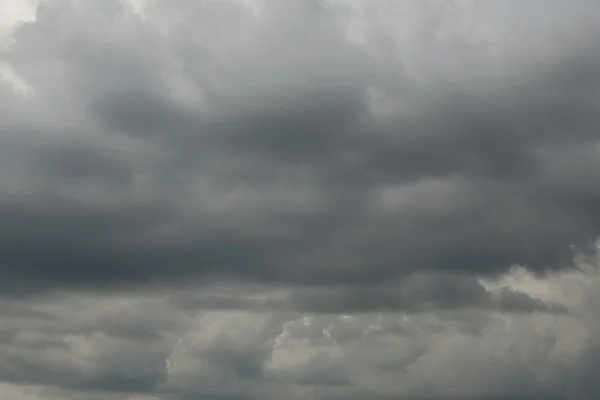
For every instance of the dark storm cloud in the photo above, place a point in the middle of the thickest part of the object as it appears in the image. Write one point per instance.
(416, 293)
(420, 295)
(196, 195)
(472, 180)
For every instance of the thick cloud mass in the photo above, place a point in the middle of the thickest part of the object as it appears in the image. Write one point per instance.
(201, 140)
(227, 199)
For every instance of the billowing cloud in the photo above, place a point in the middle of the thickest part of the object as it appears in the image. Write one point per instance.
(299, 199)
(117, 346)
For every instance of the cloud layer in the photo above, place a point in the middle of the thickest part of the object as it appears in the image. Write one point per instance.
(315, 199)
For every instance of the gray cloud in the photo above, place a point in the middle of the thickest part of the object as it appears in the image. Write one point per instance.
(300, 199)
(115, 345)
(81, 347)
(310, 185)
(415, 294)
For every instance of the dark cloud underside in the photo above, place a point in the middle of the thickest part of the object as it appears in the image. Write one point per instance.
(300, 199)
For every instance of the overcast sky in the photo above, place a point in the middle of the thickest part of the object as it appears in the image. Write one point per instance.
(299, 199)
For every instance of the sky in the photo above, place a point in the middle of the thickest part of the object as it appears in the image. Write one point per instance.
(299, 199)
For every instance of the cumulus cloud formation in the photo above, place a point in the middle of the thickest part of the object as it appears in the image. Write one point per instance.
(228, 199)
